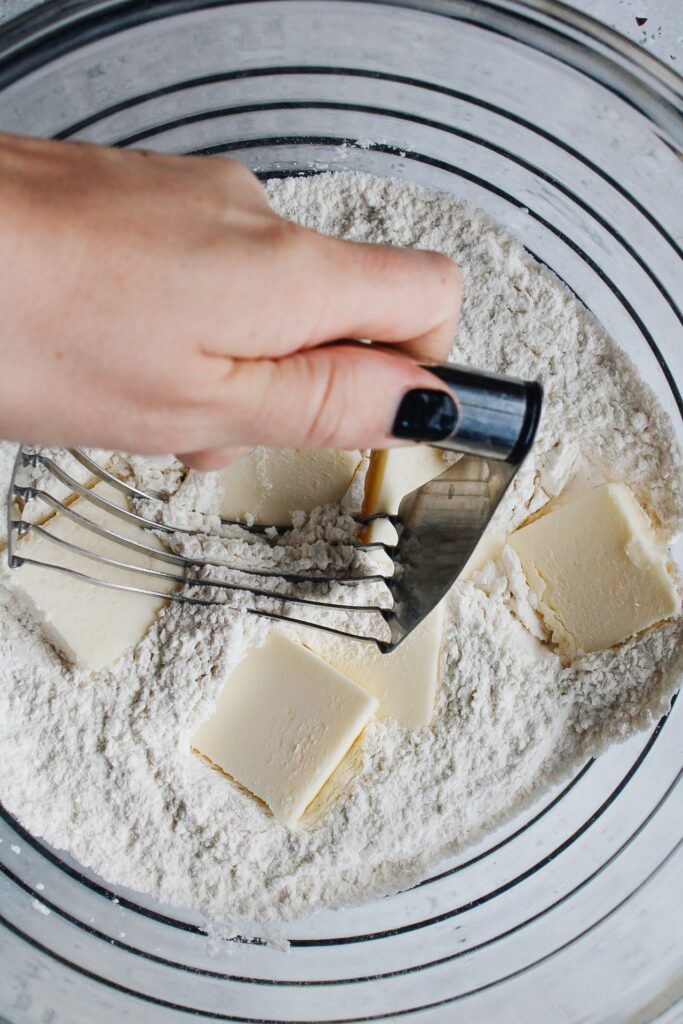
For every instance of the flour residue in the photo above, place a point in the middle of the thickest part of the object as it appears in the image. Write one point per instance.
(102, 766)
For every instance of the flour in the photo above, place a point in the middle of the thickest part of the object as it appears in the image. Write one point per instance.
(102, 765)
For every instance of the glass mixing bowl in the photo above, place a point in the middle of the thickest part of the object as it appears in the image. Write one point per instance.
(567, 135)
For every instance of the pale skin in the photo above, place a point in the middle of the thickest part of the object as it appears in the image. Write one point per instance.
(156, 304)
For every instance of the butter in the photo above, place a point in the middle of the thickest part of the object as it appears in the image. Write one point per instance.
(489, 548)
(91, 625)
(395, 472)
(271, 483)
(283, 722)
(404, 682)
(597, 570)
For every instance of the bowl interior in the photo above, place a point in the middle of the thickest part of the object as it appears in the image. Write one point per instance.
(453, 97)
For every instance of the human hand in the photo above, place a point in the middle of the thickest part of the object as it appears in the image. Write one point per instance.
(157, 304)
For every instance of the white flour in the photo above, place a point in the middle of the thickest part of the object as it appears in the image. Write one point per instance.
(102, 765)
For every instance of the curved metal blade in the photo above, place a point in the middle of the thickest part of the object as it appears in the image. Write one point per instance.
(441, 524)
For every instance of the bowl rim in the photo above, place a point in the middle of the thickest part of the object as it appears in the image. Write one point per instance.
(639, 78)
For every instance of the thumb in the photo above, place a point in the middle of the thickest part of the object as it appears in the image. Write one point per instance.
(335, 396)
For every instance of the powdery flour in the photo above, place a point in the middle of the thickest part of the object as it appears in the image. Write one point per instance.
(101, 765)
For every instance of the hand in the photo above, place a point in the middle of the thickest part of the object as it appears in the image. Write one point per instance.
(157, 304)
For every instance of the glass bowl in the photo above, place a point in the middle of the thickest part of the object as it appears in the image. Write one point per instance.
(567, 134)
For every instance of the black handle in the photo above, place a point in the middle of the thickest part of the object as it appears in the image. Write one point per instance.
(497, 416)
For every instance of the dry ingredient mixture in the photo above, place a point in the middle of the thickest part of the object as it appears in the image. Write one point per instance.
(101, 765)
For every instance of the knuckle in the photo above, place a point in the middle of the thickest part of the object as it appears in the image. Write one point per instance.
(175, 389)
(322, 422)
(235, 175)
(448, 275)
(230, 399)
(168, 435)
(239, 172)
(188, 394)
(445, 289)
(379, 262)
(206, 461)
(283, 234)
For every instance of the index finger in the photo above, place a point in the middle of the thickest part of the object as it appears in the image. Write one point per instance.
(405, 297)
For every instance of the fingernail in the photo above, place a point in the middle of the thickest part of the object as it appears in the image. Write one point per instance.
(425, 415)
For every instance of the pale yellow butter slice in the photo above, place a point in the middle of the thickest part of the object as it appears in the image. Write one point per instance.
(489, 548)
(91, 625)
(283, 722)
(395, 472)
(597, 570)
(405, 681)
(271, 483)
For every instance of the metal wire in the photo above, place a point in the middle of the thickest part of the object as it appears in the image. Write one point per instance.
(188, 578)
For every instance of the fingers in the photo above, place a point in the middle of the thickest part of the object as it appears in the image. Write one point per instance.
(212, 459)
(354, 290)
(330, 397)
(299, 289)
(403, 296)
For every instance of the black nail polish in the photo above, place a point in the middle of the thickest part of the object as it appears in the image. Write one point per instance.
(425, 415)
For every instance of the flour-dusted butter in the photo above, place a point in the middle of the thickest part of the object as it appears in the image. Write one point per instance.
(283, 722)
(405, 681)
(271, 483)
(489, 547)
(597, 570)
(395, 472)
(91, 625)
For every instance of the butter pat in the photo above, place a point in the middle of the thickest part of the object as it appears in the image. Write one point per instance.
(283, 722)
(91, 625)
(271, 483)
(489, 548)
(404, 682)
(597, 570)
(395, 472)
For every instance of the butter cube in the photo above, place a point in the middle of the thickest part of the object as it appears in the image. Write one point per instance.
(271, 483)
(597, 570)
(283, 722)
(91, 625)
(489, 547)
(404, 681)
(395, 472)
